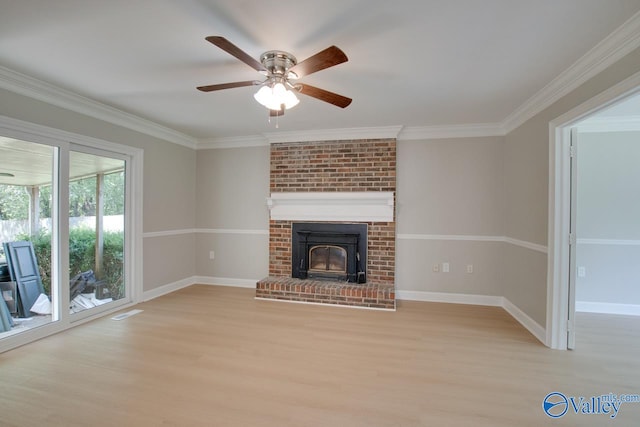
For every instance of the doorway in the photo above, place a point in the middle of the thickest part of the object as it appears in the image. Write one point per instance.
(562, 274)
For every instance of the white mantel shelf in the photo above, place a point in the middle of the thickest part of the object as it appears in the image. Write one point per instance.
(332, 206)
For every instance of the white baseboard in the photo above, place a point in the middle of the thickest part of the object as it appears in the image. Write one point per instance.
(531, 325)
(494, 301)
(167, 289)
(449, 298)
(226, 281)
(201, 280)
(608, 308)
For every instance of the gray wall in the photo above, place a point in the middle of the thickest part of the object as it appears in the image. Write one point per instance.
(447, 189)
(169, 184)
(526, 159)
(232, 215)
(608, 216)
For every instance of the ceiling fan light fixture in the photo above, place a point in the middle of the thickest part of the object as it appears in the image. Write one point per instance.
(279, 91)
(274, 95)
(290, 99)
(263, 95)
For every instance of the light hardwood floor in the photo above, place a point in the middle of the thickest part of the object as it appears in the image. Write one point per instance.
(214, 356)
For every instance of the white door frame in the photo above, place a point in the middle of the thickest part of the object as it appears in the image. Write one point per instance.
(560, 202)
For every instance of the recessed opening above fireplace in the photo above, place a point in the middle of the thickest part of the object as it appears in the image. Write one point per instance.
(329, 251)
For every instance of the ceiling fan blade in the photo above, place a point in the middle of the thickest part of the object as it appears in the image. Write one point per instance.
(327, 58)
(323, 95)
(211, 88)
(234, 50)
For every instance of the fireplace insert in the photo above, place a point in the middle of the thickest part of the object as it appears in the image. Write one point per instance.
(329, 251)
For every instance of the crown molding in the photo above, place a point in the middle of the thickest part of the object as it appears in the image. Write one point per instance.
(233, 142)
(614, 47)
(345, 134)
(610, 124)
(411, 133)
(42, 91)
(384, 132)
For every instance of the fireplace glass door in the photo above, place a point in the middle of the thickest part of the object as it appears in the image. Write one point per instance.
(328, 259)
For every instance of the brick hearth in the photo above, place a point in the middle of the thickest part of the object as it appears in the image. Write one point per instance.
(330, 166)
(369, 295)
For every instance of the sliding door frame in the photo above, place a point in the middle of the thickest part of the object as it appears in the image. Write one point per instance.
(65, 141)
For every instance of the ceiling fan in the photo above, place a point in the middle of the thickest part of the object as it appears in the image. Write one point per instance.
(277, 91)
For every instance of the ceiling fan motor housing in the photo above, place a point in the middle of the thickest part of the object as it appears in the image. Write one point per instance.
(278, 63)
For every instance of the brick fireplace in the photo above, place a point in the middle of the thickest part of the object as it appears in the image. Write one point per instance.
(333, 182)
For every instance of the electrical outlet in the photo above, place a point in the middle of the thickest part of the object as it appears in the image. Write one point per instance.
(445, 267)
(212, 255)
(582, 272)
(436, 268)
(469, 268)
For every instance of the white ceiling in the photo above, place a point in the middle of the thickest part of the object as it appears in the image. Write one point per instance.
(411, 62)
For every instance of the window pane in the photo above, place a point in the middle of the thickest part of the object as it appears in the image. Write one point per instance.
(26, 177)
(96, 230)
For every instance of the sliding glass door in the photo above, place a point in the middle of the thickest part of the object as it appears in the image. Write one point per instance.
(97, 232)
(69, 228)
